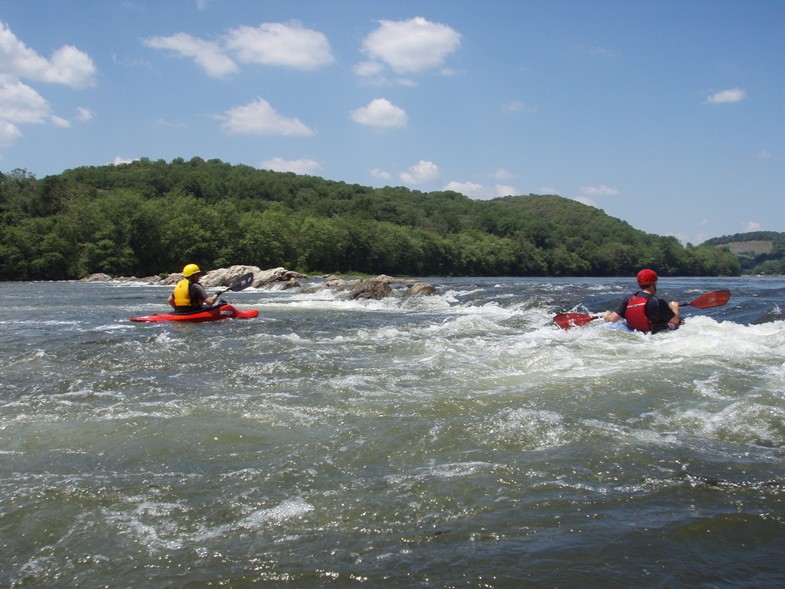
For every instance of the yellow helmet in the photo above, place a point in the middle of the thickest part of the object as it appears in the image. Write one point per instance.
(190, 270)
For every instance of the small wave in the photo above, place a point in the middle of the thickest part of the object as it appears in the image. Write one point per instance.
(528, 428)
(741, 422)
(149, 535)
(287, 510)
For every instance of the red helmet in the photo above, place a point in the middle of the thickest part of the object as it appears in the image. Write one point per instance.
(646, 277)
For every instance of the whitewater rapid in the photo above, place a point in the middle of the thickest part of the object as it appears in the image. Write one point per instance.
(460, 439)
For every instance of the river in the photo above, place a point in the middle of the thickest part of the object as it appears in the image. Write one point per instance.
(455, 440)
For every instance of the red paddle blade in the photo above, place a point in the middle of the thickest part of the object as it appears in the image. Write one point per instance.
(568, 320)
(710, 299)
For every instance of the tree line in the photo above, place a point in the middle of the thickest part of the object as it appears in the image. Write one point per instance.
(151, 217)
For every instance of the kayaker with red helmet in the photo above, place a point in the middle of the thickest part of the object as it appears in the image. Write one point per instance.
(643, 310)
(188, 294)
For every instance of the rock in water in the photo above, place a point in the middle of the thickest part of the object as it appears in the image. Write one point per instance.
(372, 289)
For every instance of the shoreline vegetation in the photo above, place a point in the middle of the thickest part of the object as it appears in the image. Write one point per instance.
(147, 217)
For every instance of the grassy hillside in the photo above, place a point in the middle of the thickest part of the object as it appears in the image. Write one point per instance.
(759, 252)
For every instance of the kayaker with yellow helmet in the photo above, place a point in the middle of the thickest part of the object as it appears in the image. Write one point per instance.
(188, 294)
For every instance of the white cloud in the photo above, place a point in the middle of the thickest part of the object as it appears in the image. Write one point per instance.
(84, 114)
(301, 166)
(586, 201)
(471, 189)
(480, 191)
(411, 46)
(285, 45)
(207, 54)
(71, 67)
(68, 65)
(9, 133)
(171, 124)
(259, 118)
(380, 113)
(502, 174)
(60, 122)
(19, 103)
(380, 174)
(597, 51)
(280, 44)
(421, 172)
(752, 226)
(505, 190)
(727, 96)
(517, 106)
(763, 155)
(368, 68)
(448, 72)
(117, 161)
(601, 190)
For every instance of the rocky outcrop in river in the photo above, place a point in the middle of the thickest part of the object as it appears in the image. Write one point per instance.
(371, 288)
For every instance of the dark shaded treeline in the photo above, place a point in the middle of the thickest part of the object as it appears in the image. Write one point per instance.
(151, 217)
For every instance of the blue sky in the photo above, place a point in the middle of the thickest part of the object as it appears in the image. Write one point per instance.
(667, 114)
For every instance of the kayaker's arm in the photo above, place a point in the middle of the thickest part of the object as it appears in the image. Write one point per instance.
(171, 301)
(676, 320)
(618, 314)
(200, 294)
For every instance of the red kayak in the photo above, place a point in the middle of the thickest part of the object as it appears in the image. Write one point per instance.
(217, 313)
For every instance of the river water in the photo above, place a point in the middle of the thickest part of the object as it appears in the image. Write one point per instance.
(457, 440)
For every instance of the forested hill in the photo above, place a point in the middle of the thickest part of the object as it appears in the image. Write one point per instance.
(152, 217)
(759, 252)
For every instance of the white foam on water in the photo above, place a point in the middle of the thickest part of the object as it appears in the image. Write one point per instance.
(530, 429)
(445, 471)
(293, 508)
(151, 525)
(367, 385)
(289, 509)
(738, 422)
(453, 470)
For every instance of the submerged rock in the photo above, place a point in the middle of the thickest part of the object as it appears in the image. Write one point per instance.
(421, 288)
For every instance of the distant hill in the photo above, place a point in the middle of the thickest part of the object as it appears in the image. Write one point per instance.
(759, 252)
(152, 217)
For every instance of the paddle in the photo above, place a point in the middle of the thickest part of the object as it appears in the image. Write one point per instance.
(240, 284)
(705, 301)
